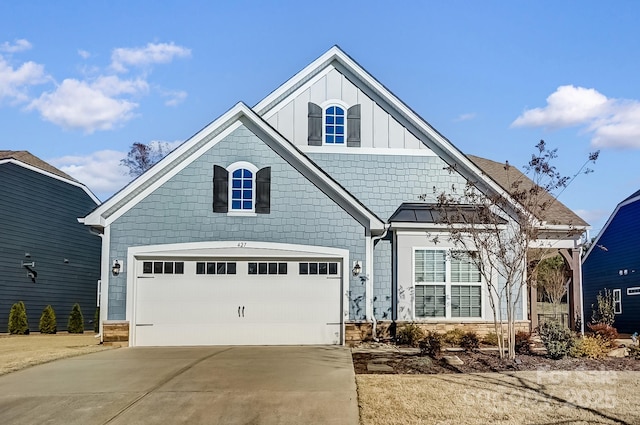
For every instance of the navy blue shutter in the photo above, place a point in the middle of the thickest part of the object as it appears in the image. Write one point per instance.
(353, 126)
(263, 191)
(315, 125)
(220, 189)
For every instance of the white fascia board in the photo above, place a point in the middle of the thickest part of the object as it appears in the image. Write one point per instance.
(53, 176)
(95, 218)
(366, 151)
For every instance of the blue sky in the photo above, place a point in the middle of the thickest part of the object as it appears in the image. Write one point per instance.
(81, 81)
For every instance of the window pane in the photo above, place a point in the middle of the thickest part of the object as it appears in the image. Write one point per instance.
(430, 301)
(339, 129)
(179, 268)
(147, 267)
(262, 268)
(246, 205)
(273, 268)
(466, 301)
(246, 194)
(340, 120)
(282, 268)
(331, 110)
(157, 267)
(231, 268)
(211, 268)
(463, 269)
(339, 139)
(237, 174)
(333, 268)
(235, 205)
(329, 119)
(253, 268)
(313, 268)
(430, 266)
(246, 174)
(247, 185)
(322, 268)
(236, 183)
(304, 268)
(221, 268)
(200, 268)
(168, 267)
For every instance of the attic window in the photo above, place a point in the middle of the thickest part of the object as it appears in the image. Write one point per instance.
(334, 125)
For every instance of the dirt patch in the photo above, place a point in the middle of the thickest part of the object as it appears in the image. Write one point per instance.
(483, 362)
(21, 351)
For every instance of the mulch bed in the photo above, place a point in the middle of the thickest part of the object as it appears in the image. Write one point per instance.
(484, 361)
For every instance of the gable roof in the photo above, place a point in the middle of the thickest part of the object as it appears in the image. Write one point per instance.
(635, 197)
(206, 138)
(556, 212)
(389, 102)
(27, 160)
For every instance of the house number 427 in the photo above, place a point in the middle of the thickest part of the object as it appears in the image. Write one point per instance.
(242, 244)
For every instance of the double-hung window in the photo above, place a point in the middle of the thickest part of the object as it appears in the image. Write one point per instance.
(448, 284)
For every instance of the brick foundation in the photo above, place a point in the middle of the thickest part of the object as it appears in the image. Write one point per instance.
(356, 332)
(115, 332)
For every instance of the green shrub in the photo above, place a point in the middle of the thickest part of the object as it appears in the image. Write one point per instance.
(409, 334)
(490, 339)
(523, 342)
(76, 321)
(48, 321)
(607, 333)
(470, 341)
(604, 310)
(18, 322)
(96, 320)
(592, 347)
(557, 339)
(431, 344)
(454, 337)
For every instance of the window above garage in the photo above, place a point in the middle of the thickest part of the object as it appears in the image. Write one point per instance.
(241, 189)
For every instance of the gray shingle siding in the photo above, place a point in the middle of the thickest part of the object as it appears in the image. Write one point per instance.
(180, 211)
(38, 215)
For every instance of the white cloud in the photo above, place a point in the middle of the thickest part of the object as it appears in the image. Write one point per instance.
(612, 122)
(100, 171)
(14, 81)
(84, 54)
(465, 117)
(19, 46)
(89, 106)
(143, 56)
(174, 97)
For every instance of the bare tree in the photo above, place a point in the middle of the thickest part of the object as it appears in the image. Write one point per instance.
(142, 156)
(551, 277)
(501, 232)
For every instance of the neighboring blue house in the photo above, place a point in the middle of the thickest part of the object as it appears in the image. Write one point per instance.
(613, 263)
(295, 222)
(46, 255)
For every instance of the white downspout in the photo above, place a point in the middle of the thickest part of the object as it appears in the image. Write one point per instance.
(369, 288)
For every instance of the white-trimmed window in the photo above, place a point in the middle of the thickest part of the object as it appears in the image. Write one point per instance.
(242, 183)
(448, 284)
(335, 125)
(617, 301)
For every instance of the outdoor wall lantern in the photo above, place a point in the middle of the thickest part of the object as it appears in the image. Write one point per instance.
(356, 268)
(116, 268)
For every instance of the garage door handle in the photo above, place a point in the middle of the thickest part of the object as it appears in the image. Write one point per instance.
(242, 311)
(238, 311)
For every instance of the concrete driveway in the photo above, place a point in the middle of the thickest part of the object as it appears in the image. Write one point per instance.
(194, 385)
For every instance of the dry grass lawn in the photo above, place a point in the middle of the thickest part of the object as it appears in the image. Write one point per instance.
(544, 397)
(21, 351)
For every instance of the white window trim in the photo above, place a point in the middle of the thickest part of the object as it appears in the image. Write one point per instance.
(617, 301)
(230, 169)
(324, 106)
(447, 284)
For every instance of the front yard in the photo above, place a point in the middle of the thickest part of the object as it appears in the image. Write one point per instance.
(21, 351)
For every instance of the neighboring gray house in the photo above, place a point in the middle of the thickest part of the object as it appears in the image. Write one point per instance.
(293, 222)
(46, 255)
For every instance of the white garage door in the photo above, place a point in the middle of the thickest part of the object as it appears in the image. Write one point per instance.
(237, 302)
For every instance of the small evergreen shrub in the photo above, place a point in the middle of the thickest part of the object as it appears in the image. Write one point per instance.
(604, 310)
(18, 322)
(431, 344)
(454, 337)
(410, 334)
(76, 321)
(48, 321)
(470, 341)
(557, 339)
(96, 320)
(607, 333)
(592, 347)
(523, 342)
(490, 339)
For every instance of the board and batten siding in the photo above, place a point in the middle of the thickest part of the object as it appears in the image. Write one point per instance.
(378, 129)
(618, 249)
(38, 215)
(180, 211)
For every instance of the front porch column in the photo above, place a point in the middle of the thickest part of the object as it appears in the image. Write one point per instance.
(533, 305)
(572, 257)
